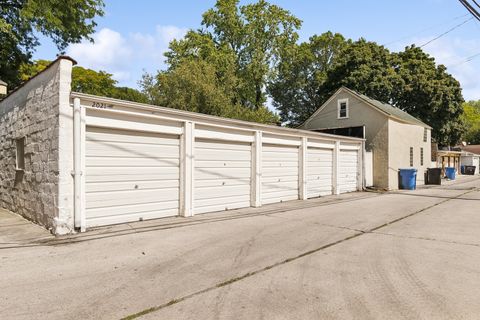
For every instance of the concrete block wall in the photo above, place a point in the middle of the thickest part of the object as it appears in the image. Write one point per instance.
(32, 112)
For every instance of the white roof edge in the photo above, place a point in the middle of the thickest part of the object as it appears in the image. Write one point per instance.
(206, 118)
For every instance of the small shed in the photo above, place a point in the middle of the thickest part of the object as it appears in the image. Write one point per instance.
(470, 159)
(447, 158)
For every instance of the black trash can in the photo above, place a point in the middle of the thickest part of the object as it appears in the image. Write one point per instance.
(470, 170)
(434, 176)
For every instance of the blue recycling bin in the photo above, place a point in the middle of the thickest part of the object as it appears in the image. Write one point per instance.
(407, 179)
(462, 169)
(450, 173)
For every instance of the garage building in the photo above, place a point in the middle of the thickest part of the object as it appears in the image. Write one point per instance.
(72, 161)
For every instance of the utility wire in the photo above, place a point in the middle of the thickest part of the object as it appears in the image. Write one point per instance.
(426, 29)
(471, 9)
(467, 59)
(446, 32)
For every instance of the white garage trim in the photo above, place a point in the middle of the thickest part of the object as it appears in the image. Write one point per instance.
(130, 176)
(187, 155)
(280, 168)
(223, 173)
(130, 121)
(256, 197)
(223, 134)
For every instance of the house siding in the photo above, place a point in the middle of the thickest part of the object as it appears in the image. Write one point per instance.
(402, 137)
(360, 114)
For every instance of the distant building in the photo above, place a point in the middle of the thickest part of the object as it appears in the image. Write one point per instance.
(397, 139)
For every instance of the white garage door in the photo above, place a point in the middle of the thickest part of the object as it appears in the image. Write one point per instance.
(130, 176)
(222, 175)
(348, 171)
(279, 173)
(319, 172)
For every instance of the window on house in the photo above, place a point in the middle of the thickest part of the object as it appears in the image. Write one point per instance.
(342, 108)
(425, 134)
(421, 156)
(411, 156)
(20, 155)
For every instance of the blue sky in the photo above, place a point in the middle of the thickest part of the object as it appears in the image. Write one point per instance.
(133, 35)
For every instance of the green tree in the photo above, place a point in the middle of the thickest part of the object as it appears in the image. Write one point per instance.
(301, 72)
(248, 38)
(194, 85)
(89, 81)
(365, 67)
(63, 21)
(409, 80)
(430, 93)
(471, 117)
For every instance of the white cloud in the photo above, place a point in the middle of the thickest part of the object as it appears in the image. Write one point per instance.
(153, 46)
(125, 56)
(452, 52)
(109, 51)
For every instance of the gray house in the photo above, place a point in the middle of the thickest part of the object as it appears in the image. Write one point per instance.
(396, 139)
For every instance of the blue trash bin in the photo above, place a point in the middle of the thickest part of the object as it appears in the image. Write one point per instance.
(462, 169)
(407, 179)
(450, 173)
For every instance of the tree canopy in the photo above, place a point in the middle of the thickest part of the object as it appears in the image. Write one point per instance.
(226, 64)
(63, 21)
(89, 81)
(472, 120)
(409, 80)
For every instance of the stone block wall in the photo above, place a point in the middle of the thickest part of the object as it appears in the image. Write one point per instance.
(32, 113)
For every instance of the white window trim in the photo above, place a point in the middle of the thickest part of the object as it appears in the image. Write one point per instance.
(339, 102)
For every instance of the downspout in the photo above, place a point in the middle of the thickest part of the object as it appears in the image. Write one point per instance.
(77, 164)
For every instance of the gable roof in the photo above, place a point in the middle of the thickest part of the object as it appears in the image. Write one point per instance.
(473, 148)
(389, 110)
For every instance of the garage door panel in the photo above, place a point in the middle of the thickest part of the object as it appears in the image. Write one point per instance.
(121, 177)
(130, 185)
(132, 162)
(292, 186)
(272, 156)
(223, 173)
(232, 155)
(276, 172)
(218, 183)
(222, 191)
(278, 196)
(132, 171)
(212, 205)
(130, 151)
(130, 175)
(106, 136)
(118, 198)
(224, 164)
(123, 211)
(281, 164)
(102, 216)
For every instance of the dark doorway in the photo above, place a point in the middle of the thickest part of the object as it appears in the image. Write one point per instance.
(357, 132)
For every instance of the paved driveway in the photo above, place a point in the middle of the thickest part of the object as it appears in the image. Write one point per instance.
(403, 255)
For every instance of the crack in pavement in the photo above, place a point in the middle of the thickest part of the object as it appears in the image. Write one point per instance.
(427, 239)
(288, 260)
